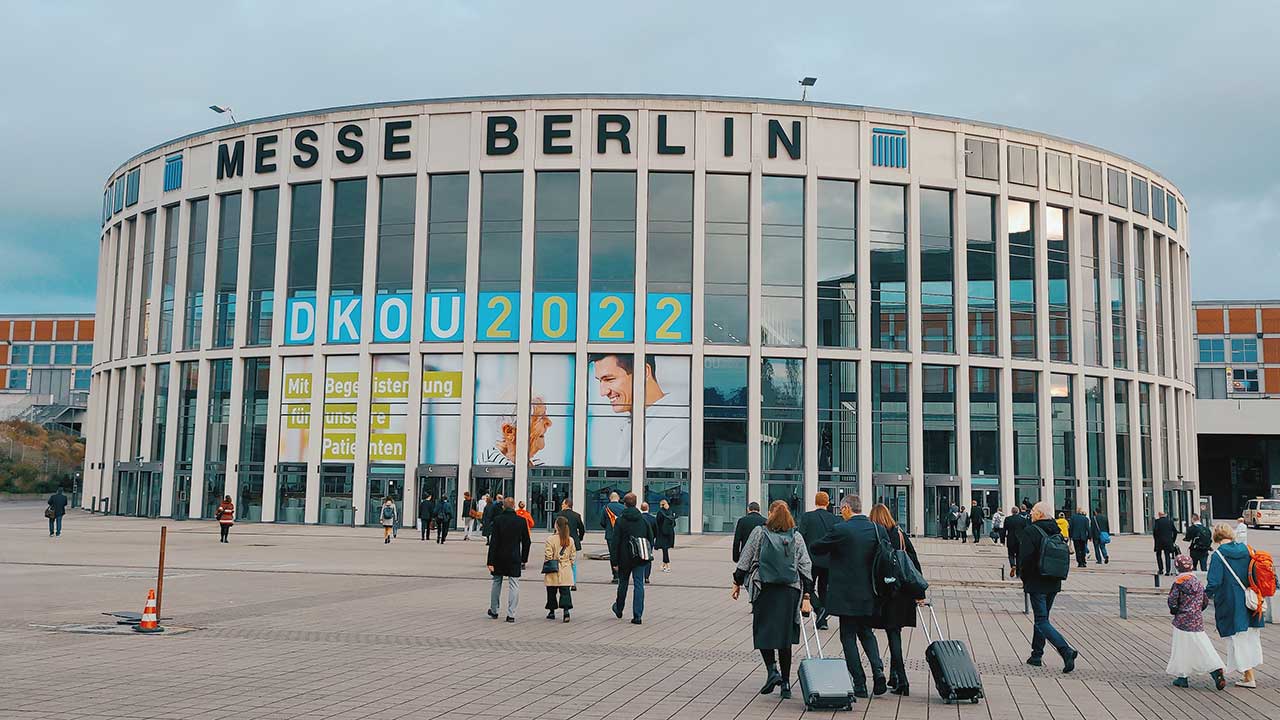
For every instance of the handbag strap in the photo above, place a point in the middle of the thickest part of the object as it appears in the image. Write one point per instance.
(1230, 570)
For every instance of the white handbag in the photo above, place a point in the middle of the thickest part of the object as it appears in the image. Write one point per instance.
(1251, 599)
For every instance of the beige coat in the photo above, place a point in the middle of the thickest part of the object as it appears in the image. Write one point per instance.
(552, 550)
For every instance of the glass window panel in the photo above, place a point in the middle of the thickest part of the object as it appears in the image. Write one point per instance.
(782, 415)
(1059, 257)
(939, 416)
(888, 238)
(346, 261)
(501, 208)
(782, 262)
(148, 260)
(1022, 279)
(1091, 300)
(890, 424)
(1026, 424)
(1095, 429)
(447, 233)
(838, 418)
(837, 263)
(725, 270)
(262, 264)
(304, 239)
(669, 233)
(1062, 424)
(725, 408)
(937, 272)
(1119, 315)
(197, 241)
(397, 204)
(980, 264)
(228, 266)
(613, 232)
(984, 422)
(555, 233)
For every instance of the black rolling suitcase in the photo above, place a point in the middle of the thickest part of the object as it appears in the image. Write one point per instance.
(824, 682)
(951, 665)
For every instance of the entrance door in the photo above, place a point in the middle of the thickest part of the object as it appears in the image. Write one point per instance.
(545, 496)
(182, 493)
(988, 502)
(125, 493)
(493, 480)
(440, 481)
(215, 481)
(337, 485)
(291, 492)
(898, 499)
(938, 500)
(385, 481)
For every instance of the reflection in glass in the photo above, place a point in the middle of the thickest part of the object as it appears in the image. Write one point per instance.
(396, 207)
(984, 422)
(613, 232)
(197, 244)
(1140, 295)
(447, 233)
(669, 233)
(1122, 429)
(262, 264)
(1119, 332)
(782, 262)
(725, 269)
(980, 263)
(937, 272)
(1059, 257)
(890, 427)
(501, 204)
(1157, 263)
(168, 275)
(837, 420)
(227, 266)
(555, 233)
(782, 415)
(888, 237)
(1026, 424)
(1062, 424)
(1091, 300)
(837, 263)
(724, 412)
(304, 239)
(939, 404)
(346, 259)
(1022, 279)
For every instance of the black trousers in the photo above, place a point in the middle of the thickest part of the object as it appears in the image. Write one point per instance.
(1081, 551)
(783, 657)
(442, 529)
(821, 579)
(1164, 561)
(558, 597)
(1200, 561)
(666, 556)
(426, 529)
(977, 534)
(897, 663)
(855, 630)
(223, 530)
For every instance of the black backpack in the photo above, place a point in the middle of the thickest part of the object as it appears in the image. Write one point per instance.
(1055, 556)
(893, 571)
(1201, 539)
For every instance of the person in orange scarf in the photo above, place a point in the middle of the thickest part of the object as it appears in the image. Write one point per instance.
(522, 512)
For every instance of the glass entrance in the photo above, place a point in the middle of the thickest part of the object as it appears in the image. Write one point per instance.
(291, 492)
(215, 480)
(249, 504)
(1177, 505)
(182, 492)
(385, 481)
(1097, 496)
(898, 499)
(337, 506)
(672, 486)
(493, 480)
(786, 487)
(125, 492)
(548, 487)
(938, 500)
(440, 481)
(600, 483)
(724, 500)
(988, 502)
(1125, 510)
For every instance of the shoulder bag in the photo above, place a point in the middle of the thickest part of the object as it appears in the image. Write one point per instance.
(552, 565)
(1251, 599)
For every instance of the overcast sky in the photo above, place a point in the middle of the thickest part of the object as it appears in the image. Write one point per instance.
(1187, 88)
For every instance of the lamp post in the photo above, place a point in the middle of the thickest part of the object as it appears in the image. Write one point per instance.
(805, 84)
(224, 109)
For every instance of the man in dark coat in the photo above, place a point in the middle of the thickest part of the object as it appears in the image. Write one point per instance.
(1099, 524)
(1013, 526)
(577, 531)
(1199, 540)
(652, 521)
(491, 511)
(1042, 590)
(608, 520)
(1165, 534)
(58, 504)
(509, 544)
(630, 568)
(1079, 530)
(813, 526)
(468, 522)
(850, 549)
(752, 520)
(426, 514)
(977, 521)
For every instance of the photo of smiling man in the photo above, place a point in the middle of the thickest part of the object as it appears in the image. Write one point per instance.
(666, 411)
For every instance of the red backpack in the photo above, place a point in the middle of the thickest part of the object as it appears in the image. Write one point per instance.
(1262, 573)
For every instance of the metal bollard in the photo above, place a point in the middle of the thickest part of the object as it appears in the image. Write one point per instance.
(1124, 603)
(1002, 573)
(1026, 604)
(1157, 577)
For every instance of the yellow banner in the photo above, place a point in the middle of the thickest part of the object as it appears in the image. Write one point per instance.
(393, 385)
(387, 447)
(340, 416)
(380, 416)
(342, 385)
(297, 386)
(338, 446)
(441, 384)
(298, 416)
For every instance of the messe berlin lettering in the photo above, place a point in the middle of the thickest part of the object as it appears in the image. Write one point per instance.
(501, 135)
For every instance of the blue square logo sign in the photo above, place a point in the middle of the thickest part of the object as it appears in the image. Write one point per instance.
(300, 321)
(392, 317)
(442, 321)
(344, 319)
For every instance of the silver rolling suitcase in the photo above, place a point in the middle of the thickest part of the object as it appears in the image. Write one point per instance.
(824, 682)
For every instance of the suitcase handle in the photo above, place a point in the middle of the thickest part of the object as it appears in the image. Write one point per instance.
(816, 638)
(924, 623)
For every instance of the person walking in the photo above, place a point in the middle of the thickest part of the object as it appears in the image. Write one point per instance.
(953, 519)
(1063, 526)
(778, 572)
(1236, 623)
(1192, 651)
(1042, 588)
(559, 555)
(426, 514)
(652, 521)
(524, 513)
(632, 539)
(977, 521)
(226, 515)
(665, 537)
(851, 548)
(1100, 533)
(1242, 531)
(509, 545)
(1199, 539)
(609, 520)
(1165, 535)
(1079, 529)
(898, 610)
(814, 525)
(468, 513)
(443, 518)
(577, 531)
(752, 520)
(1013, 527)
(962, 524)
(997, 526)
(57, 508)
(491, 511)
(388, 516)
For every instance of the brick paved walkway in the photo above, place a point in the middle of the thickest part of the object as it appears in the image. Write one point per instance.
(309, 622)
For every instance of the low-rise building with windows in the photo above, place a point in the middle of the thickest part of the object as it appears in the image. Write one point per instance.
(45, 366)
(704, 300)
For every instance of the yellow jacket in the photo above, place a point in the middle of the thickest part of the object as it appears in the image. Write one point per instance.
(1062, 525)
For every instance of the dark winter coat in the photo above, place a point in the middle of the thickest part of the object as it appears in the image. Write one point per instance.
(1165, 534)
(426, 510)
(850, 549)
(666, 533)
(742, 531)
(58, 502)
(491, 511)
(577, 530)
(814, 525)
(1013, 527)
(1029, 543)
(1098, 525)
(509, 544)
(630, 524)
(899, 610)
(1078, 527)
(1230, 614)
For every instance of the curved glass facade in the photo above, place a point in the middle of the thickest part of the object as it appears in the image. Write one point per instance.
(703, 301)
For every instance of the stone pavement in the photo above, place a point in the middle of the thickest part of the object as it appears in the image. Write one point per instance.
(318, 622)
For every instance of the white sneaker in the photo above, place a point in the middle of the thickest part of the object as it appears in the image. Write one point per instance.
(1249, 684)
(666, 569)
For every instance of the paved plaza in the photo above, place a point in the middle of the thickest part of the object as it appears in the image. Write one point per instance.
(323, 622)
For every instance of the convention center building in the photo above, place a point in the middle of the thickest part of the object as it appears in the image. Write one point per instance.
(706, 300)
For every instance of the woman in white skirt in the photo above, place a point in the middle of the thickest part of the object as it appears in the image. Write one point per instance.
(1192, 652)
(1240, 626)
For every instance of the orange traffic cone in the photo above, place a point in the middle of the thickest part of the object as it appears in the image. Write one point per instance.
(150, 623)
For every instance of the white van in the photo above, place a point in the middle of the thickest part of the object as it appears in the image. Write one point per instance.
(1259, 512)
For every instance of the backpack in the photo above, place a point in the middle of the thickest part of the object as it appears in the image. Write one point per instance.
(641, 549)
(1201, 539)
(892, 569)
(1262, 573)
(778, 558)
(1055, 557)
(388, 512)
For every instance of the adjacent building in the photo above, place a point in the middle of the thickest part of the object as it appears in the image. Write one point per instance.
(707, 300)
(45, 366)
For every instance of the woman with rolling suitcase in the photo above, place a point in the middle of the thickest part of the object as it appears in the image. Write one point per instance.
(776, 563)
(899, 609)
